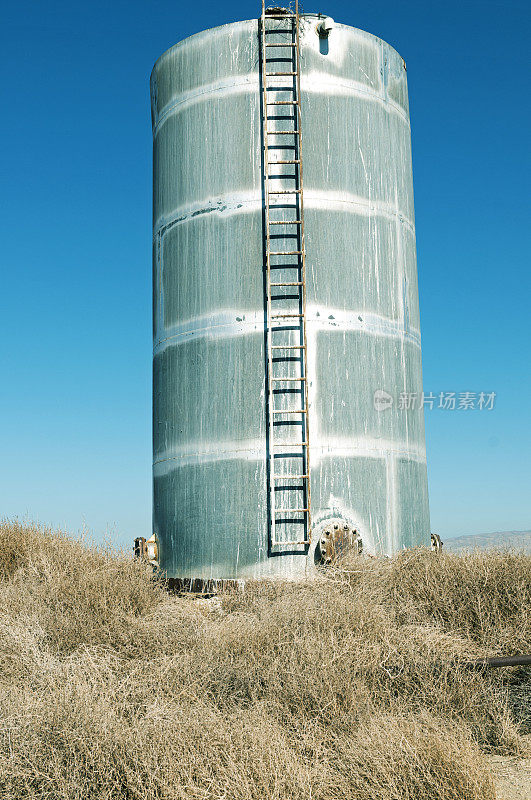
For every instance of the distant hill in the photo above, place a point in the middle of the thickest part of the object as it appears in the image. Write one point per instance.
(516, 540)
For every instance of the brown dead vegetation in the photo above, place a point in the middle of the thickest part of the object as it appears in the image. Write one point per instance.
(348, 687)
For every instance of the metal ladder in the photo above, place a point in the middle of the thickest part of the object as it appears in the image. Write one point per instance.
(287, 379)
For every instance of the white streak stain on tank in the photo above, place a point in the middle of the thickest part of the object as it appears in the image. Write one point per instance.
(224, 87)
(321, 82)
(226, 323)
(159, 310)
(311, 362)
(311, 82)
(249, 202)
(367, 447)
(391, 500)
(254, 450)
(399, 257)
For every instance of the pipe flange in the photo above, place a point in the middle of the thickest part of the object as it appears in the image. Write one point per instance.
(337, 539)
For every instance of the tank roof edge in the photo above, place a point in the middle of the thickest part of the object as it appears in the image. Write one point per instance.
(206, 31)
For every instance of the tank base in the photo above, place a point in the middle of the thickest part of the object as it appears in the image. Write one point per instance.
(203, 586)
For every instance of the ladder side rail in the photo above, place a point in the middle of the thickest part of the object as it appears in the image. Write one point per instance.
(303, 271)
(268, 282)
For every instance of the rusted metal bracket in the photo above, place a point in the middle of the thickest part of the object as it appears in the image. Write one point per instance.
(147, 549)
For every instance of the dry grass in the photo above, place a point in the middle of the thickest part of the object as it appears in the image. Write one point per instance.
(347, 688)
(483, 596)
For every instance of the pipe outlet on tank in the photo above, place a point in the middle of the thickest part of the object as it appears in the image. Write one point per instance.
(337, 539)
(324, 27)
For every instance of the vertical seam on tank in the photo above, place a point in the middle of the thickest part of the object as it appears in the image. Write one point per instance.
(390, 479)
(160, 315)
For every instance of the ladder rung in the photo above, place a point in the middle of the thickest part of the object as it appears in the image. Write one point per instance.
(291, 411)
(286, 222)
(285, 316)
(282, 102)
(289, 544)
(291, 510)
(281, 44)
(285, 252)
(278, 74)
(284, 191)
(289, 477)
(280, 133)
(278, 16)
(293, 283)
(288, 347)
(290, 161)
(279, 380)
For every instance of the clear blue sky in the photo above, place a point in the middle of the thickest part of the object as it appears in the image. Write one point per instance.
(75, 300)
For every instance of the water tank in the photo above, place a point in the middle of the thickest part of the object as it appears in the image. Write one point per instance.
(367, 460)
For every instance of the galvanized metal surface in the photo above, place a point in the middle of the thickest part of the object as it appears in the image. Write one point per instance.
(368, 466)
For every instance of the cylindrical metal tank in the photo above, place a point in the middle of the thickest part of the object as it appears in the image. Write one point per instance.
(368, 460)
